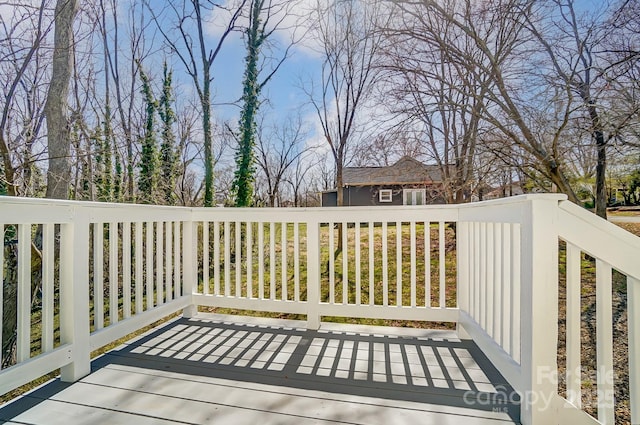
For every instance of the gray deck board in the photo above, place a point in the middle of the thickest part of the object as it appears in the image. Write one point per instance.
(228, 370)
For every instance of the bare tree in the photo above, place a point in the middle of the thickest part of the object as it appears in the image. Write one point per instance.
(321, 174)
(495, 46)
(188, 189)
(279, 148)
(84, 101)
(350, 45)
(574, 46)
(436, 98)
(121, 72)
(197, 59)
(24, 60)
(384, 148)
(23, 36)
(297, 178)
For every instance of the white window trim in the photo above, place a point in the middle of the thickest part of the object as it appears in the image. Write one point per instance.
(406, 192)
(385, 195)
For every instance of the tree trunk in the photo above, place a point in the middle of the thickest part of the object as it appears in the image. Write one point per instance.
(130, 173)
(601, 165)
(208, 155)
(340, 203)
(339, 185)
(58, 132)
(9, 302)
(7, 169)
(560, 180)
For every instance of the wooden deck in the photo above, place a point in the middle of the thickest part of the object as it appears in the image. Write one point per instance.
(240, 370)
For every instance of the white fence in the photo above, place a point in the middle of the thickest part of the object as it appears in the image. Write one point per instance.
(90, 273)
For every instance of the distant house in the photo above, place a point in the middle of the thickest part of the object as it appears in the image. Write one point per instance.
(407, 182)
(510, 189)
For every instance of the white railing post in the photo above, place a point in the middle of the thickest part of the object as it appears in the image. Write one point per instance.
(539, 310)
(633, 301)
(190, 266)
(313, 275)
(462, 273)
(74, 294)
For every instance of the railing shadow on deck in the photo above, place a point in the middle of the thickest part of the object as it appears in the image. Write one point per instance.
(437, 371)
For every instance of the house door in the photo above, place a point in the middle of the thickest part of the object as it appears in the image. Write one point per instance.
(414, 196)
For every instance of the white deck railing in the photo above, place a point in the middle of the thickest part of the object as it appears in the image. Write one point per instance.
(246, 251)
(90, 273)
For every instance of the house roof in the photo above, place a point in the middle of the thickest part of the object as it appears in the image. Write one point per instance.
(406, 171)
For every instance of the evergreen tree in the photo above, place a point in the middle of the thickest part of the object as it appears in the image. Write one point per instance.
(118, 177)
(112, 157)
(3, 183)
(103, 165)
(148, 178)
(106, 195)
(244, 177)
(168, 153)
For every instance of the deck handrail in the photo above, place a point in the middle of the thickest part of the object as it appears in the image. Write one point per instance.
(613, 249)
(391, 266)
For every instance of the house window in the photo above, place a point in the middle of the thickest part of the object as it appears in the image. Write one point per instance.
(385, 195)
(414, 196)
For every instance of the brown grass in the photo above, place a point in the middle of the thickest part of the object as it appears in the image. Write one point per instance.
(349, 254)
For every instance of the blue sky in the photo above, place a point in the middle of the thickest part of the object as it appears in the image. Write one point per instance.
(283, 90)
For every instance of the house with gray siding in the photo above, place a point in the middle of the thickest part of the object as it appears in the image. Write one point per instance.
(407, 182)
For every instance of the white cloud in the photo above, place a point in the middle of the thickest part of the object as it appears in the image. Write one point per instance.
(292, 17)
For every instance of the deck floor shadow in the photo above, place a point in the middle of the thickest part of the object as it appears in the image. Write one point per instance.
(279, 368)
